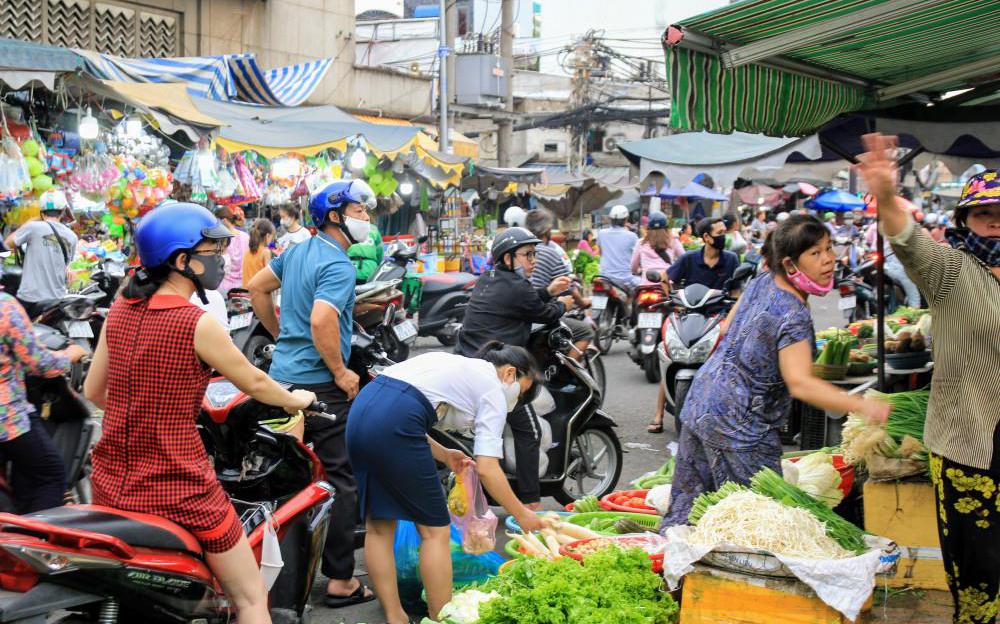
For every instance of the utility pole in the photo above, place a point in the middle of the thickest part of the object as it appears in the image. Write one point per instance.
(444, 48)
(505, 127)
(451, 33)
(583, 63)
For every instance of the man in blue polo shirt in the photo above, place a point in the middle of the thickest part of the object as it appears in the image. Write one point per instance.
(711, 265)
(317, 281)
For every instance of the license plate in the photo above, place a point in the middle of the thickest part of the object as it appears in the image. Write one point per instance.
(79, 329)
(240, 321)
(650, 320)
(846, 303)
(598, 302)
(405, 330)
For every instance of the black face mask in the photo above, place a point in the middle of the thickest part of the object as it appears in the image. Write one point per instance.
(719, 242)
(214, 272)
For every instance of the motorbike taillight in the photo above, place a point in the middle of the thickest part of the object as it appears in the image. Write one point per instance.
(846, 289)
(397, 301)
(872, 256)
(15, 575)
(599, 286)
(649, 297)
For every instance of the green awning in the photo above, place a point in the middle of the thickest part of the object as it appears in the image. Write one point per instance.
(786, 67)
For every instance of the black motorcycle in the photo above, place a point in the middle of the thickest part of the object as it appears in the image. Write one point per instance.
(248, 333)
(585, 455)
(611, 309)
(67, 421)
(438, 301)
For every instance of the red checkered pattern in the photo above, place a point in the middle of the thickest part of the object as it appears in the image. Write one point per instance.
(150, 458)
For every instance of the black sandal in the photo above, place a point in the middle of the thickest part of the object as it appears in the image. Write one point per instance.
(655, 427)
(355, 598)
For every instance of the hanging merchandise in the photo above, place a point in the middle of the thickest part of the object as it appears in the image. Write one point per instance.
(93, 175)
(129, 140)
(138, 190)
(250, 190)
(227, 188)
(286, 171)
(15, 179)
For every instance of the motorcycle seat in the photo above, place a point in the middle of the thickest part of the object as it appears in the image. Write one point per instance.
(135, 529)
(445, 282)
(617, 283)
(47, 304)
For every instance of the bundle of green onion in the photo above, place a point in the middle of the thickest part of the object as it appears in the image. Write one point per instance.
(901, 436)
(771, 484)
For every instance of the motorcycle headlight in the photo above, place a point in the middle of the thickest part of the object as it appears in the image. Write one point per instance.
(703, 348)
(676, 350)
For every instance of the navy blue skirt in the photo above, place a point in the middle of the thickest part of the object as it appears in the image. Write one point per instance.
(387, 443)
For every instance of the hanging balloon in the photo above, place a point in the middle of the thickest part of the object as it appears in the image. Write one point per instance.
(35, 167)
(30, 148)
(41, 183)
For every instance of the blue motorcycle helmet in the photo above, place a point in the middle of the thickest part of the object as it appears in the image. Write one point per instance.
(657, 221)
(173, 227)
(337, 196)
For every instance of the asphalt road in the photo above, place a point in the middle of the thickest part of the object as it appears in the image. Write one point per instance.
(630, 401)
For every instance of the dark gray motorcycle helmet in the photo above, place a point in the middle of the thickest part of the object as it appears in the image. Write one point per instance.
(509, 240)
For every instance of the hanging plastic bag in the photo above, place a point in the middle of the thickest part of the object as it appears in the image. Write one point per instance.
(270, 552)
(471, 513)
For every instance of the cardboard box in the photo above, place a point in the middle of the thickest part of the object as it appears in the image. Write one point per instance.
(713, 596)
(905, 512)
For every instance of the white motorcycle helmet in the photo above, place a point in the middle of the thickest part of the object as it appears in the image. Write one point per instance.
(515, 216)
(618, 213)
(931, 219)
(781, 216)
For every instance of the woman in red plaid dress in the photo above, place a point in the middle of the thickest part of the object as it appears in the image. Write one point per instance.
(149, 374)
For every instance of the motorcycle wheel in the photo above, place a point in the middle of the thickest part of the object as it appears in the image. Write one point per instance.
(447, 340)
(395, 349)
(680, 395)
(651, 367)
(600, 447)
(606, 328)
(254, 351)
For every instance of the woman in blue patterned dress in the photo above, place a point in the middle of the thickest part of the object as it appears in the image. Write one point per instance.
(740, 397)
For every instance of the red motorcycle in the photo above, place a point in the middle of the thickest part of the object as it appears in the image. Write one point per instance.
(109, 566)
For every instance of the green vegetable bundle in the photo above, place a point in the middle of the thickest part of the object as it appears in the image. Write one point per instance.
(901, 436)
(707, 499)
(587, 504)
(771, 484)
(836, 352)
(585, 265)
(909, 412)
(614, 585)
(662, 476)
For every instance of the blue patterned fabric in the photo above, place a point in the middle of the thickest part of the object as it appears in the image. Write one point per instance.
(739, 396)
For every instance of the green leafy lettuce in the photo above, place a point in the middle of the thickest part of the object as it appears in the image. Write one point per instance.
(614, 585)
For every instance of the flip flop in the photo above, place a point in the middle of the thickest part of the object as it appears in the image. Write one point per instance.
(655, 427)
(357, 597)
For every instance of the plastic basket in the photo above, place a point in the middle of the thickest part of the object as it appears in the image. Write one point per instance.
(514, 527)
(645, 520)
(830, 372)
(846, 472)
(624, 541)
(645, 509)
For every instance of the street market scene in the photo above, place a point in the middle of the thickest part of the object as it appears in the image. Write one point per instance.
(499, 311)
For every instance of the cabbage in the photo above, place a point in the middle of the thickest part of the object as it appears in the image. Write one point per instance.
(464, 607)
(818, 478)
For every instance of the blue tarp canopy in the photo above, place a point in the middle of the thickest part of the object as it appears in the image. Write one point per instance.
(836, 200)
(229, 77)
(23, 62)
(693, 189)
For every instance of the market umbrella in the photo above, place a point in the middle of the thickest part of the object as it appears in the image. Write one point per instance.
(835, 200)
(759, 194)
(800, 187)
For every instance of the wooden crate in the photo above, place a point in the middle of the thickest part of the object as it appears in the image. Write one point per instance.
(905, 512)
(713, 596)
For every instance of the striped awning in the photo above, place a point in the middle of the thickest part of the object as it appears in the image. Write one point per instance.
(786, 67)
(233, 77)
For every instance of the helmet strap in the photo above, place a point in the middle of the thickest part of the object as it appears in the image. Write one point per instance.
(342, 226)
(191, 275)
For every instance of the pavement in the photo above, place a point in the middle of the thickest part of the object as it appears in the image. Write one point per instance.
(631, 401)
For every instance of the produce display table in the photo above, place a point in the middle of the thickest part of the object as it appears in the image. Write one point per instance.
(905, 512)
(714, 596)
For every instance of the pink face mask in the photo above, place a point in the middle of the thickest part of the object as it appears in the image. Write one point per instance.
(804, 283)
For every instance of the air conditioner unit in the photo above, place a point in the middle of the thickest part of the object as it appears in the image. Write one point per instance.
(611, 143)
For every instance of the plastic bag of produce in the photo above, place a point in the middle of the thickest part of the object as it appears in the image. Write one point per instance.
(466, 569)
(471, 513)
(659, 498)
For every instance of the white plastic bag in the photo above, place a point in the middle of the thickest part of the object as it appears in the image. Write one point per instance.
(270, 553)
(659, 498)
